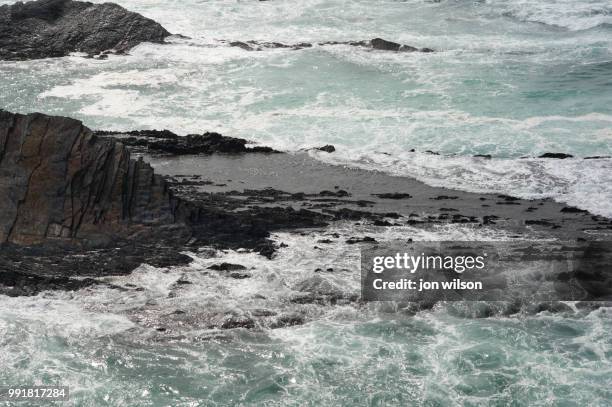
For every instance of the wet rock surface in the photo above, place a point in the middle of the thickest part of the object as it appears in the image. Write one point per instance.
(560, 156)
(59, 181)
(375, 44)
(75, 204)
(166, 142)
(55, 28)
(64, 190)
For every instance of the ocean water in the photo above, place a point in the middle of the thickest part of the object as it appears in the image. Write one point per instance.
(512, 79)
(105, 344)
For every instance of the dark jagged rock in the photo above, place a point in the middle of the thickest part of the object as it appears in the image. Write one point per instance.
(319, 290)
(288, 320)
(239, 276)
(393, 195)
(258, 46)
(328, 148)
(16, 284)
(572, 209)
(541, 222)
(242, 45)
(59, 181)
(54, 258)
(153, 134)
(376, 43)
(72, 201)
(166, 142)
(227, 267)
(237, 321)
(55, 28)
(365, 239)
(559, 156)
(384, 45)
(96, 212)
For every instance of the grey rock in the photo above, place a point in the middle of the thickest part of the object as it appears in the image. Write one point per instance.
(55, 28)
(59, 181)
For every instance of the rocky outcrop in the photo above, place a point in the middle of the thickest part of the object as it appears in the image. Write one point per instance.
(59, 181)
(375, 43)
(55, 28)
(560, 156)
(73, 203)
(166, 142)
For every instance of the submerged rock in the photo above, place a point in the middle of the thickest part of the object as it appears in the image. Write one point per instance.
(55, 28)
(258, 45)
(376, 43)
(227, 267)
(365, 239)
(327, 148)
(384, 45)
(13, 283)
(559, 156)
(573, 209)
(394, 195)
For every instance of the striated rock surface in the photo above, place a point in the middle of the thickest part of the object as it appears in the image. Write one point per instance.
(55, 28)
(59, 181)
(75, 205)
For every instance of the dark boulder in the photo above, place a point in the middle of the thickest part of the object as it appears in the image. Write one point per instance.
(393, 195)
(242, 45)
(55, 28)
(365, 239)
(227, 267)
(559, 156)
(384, 45)
(572, 209)
(327, 148)
(14, 284)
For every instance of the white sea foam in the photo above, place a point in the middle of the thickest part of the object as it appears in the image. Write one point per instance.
(577, 182)
(509, 79)
(568, 14)
(496, 86)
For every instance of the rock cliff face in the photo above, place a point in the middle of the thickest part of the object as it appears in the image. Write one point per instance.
(59, 181)
(55, 28)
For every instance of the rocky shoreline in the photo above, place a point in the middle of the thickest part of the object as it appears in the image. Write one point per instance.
(78, 204)
(374, 44)
(56, 28)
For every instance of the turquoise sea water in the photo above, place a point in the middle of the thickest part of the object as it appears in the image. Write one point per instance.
(106, 344)
(509, 78)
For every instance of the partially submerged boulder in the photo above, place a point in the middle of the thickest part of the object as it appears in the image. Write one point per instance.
(376, 43)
